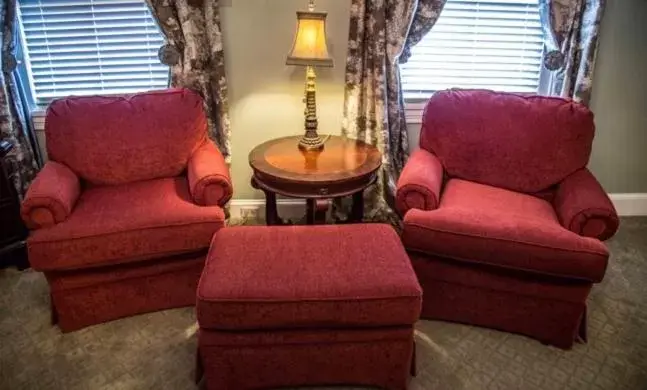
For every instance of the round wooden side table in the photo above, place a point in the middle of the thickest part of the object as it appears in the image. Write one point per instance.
(344, 167)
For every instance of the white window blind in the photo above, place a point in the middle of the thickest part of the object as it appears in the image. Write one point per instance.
(491, 44)
(87, 47)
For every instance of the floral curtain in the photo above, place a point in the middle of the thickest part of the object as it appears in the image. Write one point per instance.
(194, 51)
(572, 29)
(425, 18)
(382, 32)
(13, 126)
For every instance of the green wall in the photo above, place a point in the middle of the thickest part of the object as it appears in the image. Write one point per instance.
(620, 99)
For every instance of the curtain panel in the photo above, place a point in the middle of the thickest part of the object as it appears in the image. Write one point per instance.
(194, 51)
(13, 124)
(427, 13)
(381, 31)
(571, 30)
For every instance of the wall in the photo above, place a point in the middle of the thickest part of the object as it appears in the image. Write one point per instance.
(620, 99)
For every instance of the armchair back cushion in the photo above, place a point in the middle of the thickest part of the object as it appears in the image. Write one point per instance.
(521, 143)
(117, 140)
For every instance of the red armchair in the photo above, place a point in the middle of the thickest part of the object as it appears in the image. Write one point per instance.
(122, 215)
(503, 222)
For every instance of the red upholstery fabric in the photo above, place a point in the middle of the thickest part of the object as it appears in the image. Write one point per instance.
(51, 196)
(312, 276)
(521, 143)
(118, 228)
(420, 182)
(126, 223)
(583, 206)
(209, 176)
(550, 310)
(116, 140)
(476, 223)
(92, 296)
(364, 357)
(495, 254)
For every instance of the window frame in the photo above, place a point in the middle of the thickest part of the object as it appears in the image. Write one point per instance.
(24, 66)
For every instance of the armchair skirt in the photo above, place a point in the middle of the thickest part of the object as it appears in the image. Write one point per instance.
(547, 309)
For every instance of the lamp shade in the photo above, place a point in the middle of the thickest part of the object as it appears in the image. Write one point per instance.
(310, 46)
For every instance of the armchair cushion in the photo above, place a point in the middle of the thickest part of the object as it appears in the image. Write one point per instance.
(109, 140)
(583, 206)
(124, 224)
(523, 143)
(51, 196)
(486, 225)
(209, 179)
(420, 182)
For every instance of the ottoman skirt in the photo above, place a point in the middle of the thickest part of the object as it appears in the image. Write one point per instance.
(380, 358)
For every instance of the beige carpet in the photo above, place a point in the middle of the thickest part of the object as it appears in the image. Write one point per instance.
(156, 351)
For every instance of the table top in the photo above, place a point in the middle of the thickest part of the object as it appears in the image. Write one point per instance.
(341, 159)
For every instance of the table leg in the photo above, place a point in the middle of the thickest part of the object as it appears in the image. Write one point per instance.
(321, 209)
(311, 208)
(357, 210)
(271, 212)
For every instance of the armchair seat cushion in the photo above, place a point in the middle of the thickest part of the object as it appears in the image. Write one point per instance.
(300, 277)
(124, 224)
(476, 223)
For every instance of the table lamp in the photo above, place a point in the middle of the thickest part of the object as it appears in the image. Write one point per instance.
(310, 49)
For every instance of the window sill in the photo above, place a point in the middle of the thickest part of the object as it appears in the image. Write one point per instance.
(38, 112)
(413, 111)
(38, 119)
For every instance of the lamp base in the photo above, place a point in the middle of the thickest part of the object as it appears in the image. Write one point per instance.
(311, 140)
(311, 143)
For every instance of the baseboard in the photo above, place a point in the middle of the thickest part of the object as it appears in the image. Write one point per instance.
(626, 204)
(630, 205)
(288, 208)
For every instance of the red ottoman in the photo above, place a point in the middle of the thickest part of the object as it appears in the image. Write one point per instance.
(307, 306)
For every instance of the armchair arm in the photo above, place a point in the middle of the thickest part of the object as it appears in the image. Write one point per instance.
(50, 197)
(419, 184)
(209, 180)
(583, 206)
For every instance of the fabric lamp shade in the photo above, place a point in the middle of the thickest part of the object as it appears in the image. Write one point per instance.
(310, 47)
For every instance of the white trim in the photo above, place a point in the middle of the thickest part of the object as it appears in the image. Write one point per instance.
(413, 111)
(628, 205)
(288, 208)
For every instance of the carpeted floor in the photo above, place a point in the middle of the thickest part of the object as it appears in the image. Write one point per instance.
(156, 351)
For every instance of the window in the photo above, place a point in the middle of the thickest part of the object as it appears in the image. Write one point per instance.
(491, 44)
(86, 47)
